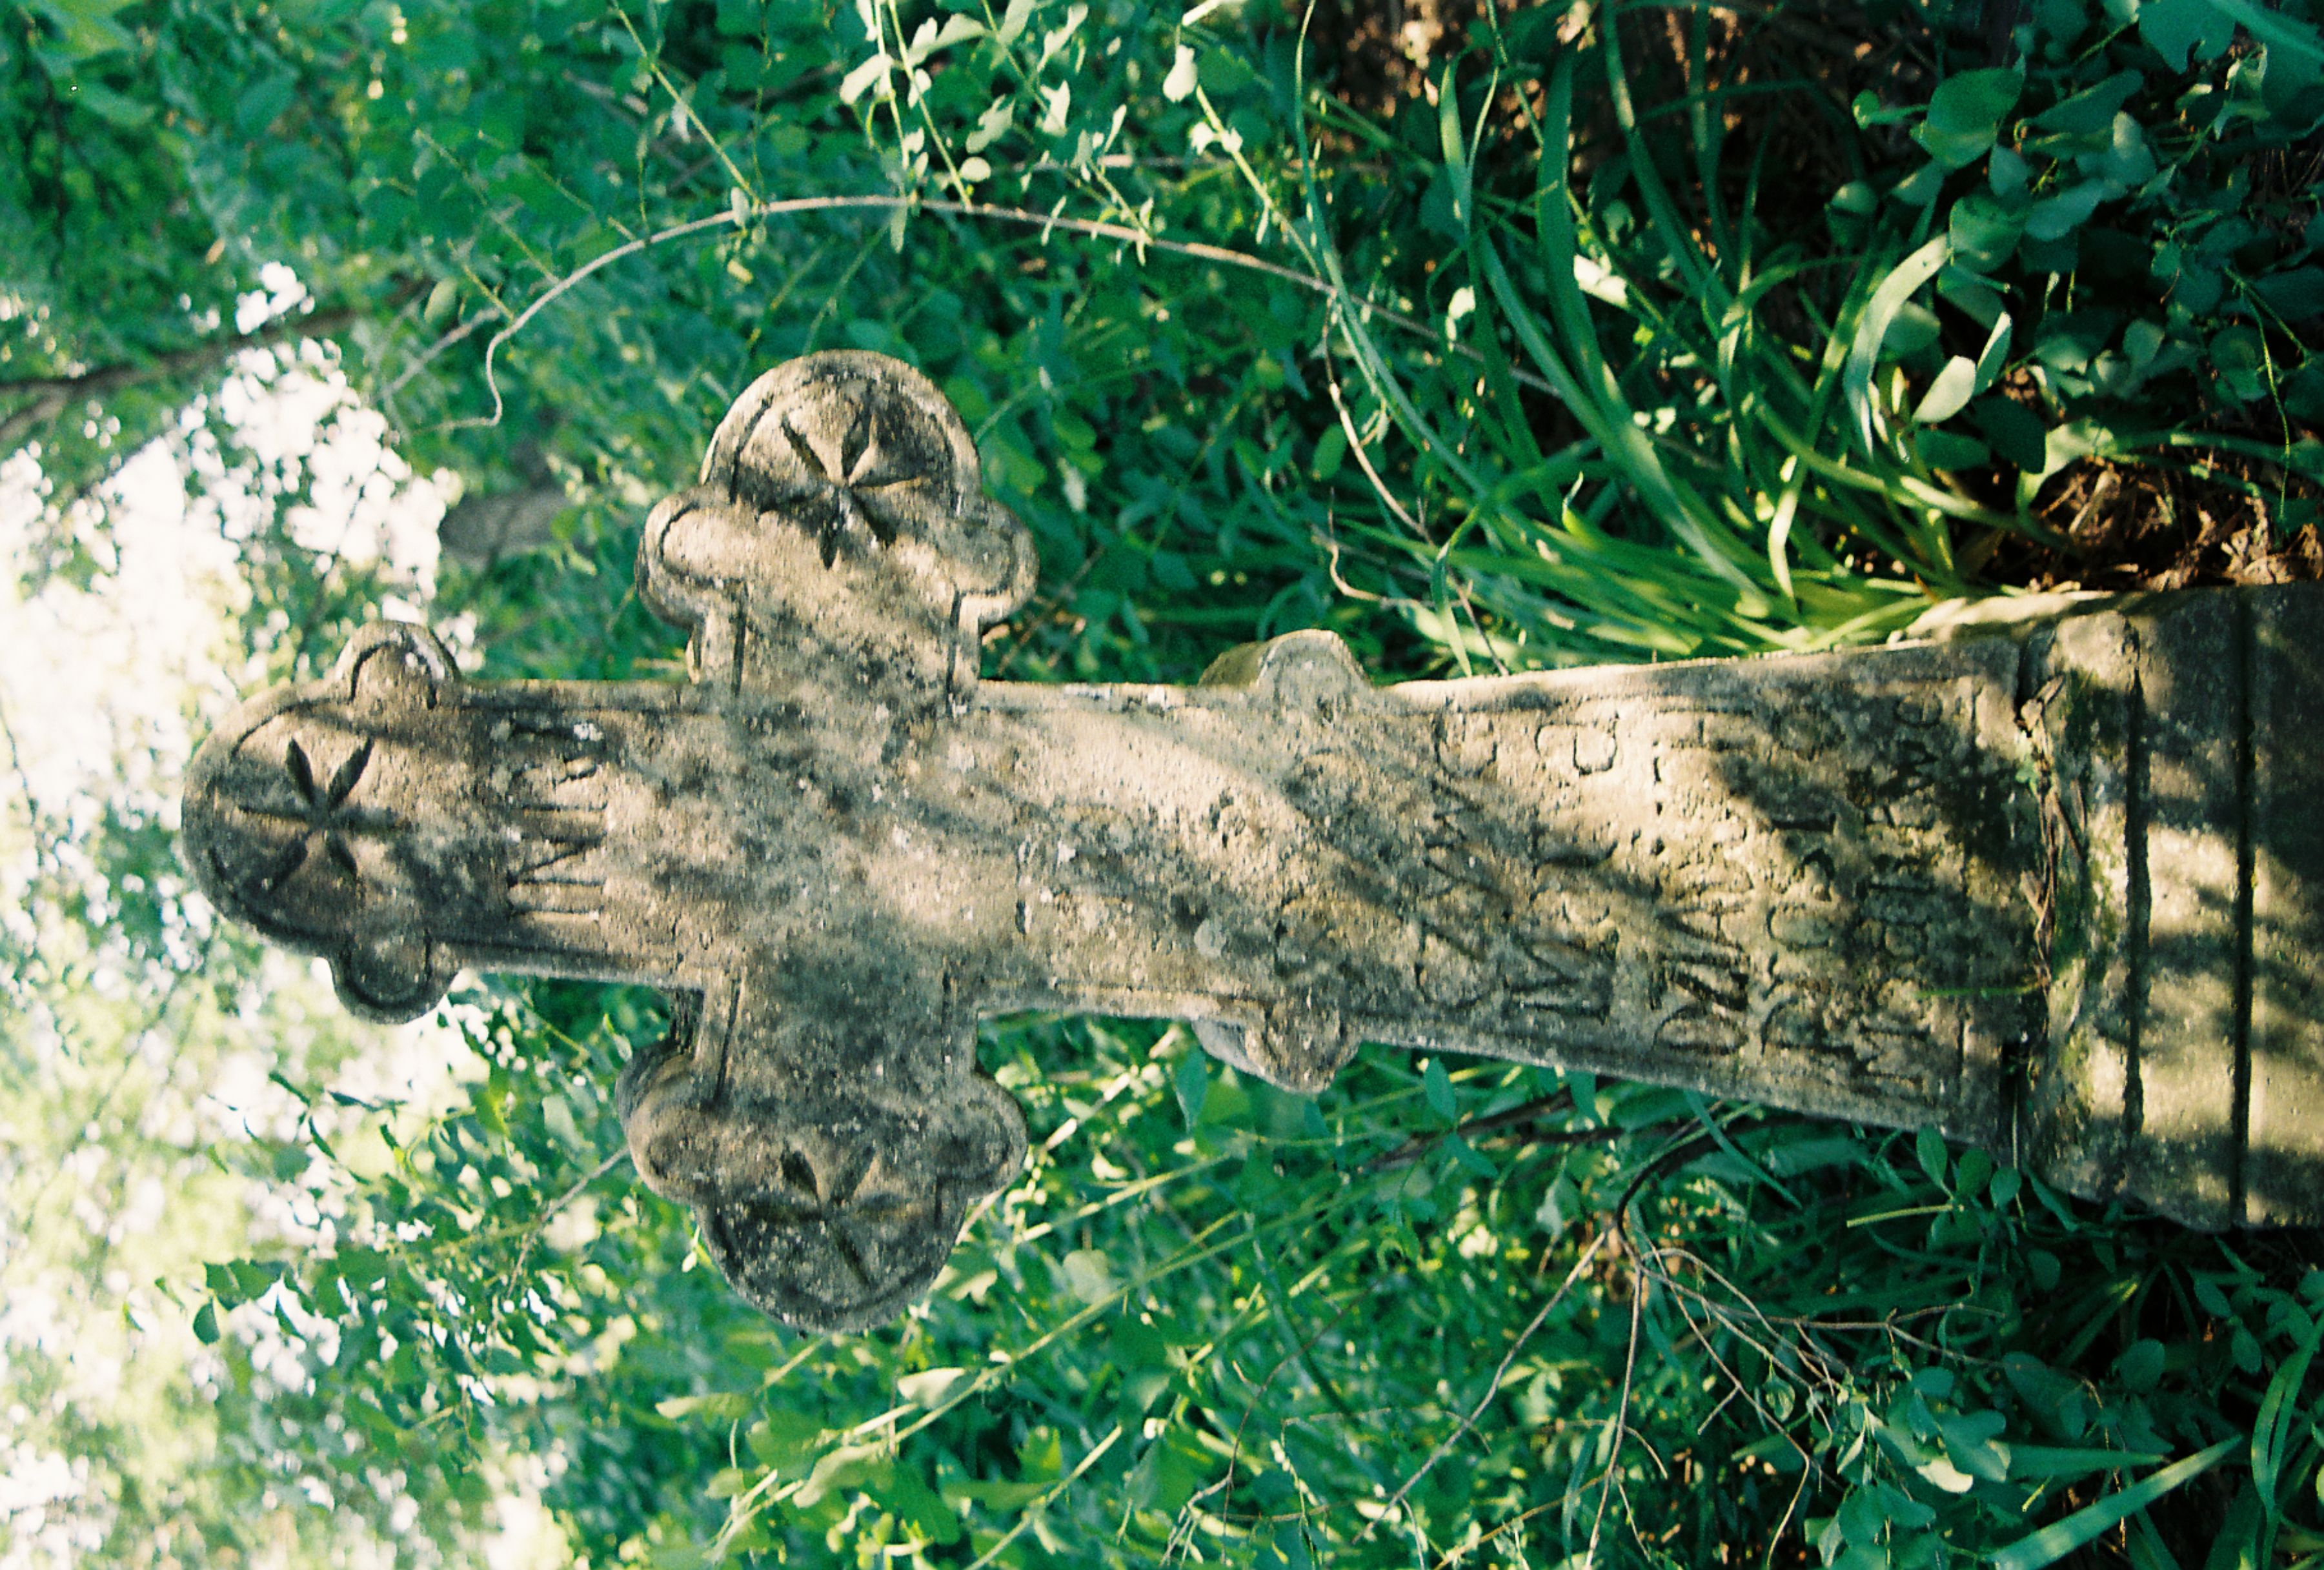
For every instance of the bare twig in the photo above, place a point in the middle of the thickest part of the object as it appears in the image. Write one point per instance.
(43, 843)
(1493, 1385)
(434, 350)
(1673, 1156)
(751, 212)
(1363, 460)
(48, 396)
(1541, 1106)
(1295, 1351)
(548, 1213)
(1621, 1408)
(1592, 1136)
(42, 408)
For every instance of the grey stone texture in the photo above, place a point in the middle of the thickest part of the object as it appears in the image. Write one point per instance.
(2053, 888)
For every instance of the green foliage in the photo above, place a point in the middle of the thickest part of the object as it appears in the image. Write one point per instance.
(2148, 236)
(1239, 1323)
(1564, 361)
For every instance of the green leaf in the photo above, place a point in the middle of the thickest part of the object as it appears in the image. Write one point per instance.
(85, 28)
(440, 301)
(1949, 393)
(1857, 197)
(2281, 34)
(1965, 114)
(784, 1439)
(717, 1407)
(1138, 1345)
(1920, 188)
(914, 1502)
(1477, 1162)
(2141, 1366)
(1976, 299)
(2077, 439)
(1089, 1275)
(1042, 1454)
(2093, 110)
(1973, 1443)
(1945, 449)
(1437, 1084)
(1456, 153)
(1869, 111)
(2127, 161)
(2296, 294)
(2055, 1541)
(2070, 340)
(2006, 174)
(121, 110)
(1440, 205)
(262, 102)
(1915, 328)
(1945, 1476)
(929, 1387)
(1975, 1168)
(2239, 354)
(2017, 433)
(2171, 27)
(1193, 1083)
(1331, 452)
(1995, 356)
(205, 1325)
(1929, 1147)
(2236, 1540)
(1013, 20)
(2055, 216)
(1983, 230)
(2141, 340)
(2061, 21)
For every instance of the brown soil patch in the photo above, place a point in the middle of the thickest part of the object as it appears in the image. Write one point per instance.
(2135, 527)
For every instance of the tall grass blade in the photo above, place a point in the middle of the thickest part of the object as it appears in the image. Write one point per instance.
(1902, 281)
(2060, 1539)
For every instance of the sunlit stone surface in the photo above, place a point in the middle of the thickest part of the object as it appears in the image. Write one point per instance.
(2055, 891)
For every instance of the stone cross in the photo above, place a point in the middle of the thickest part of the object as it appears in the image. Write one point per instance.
(2057, 891)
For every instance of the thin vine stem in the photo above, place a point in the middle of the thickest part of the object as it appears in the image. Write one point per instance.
(746, 213)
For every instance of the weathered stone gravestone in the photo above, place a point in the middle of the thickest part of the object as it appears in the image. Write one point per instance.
(2058, 893)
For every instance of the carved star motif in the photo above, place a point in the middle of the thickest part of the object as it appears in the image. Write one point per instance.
(849, 477)
(832, 1211)
(322, 814)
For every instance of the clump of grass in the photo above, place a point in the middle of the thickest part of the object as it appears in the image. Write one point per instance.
(1667, 423)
